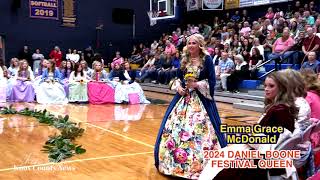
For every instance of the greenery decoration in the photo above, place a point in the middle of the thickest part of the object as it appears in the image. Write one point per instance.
(60, 146)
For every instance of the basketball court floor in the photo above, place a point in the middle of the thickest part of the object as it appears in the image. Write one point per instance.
(119, 140)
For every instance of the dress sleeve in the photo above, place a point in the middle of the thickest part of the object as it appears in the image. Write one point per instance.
(210, 73)
(279, 115)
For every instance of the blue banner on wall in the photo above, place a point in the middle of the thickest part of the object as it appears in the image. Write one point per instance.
(44, 9)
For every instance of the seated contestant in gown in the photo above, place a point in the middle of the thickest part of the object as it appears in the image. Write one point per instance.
(3, 82)
(38, 73)
(51, 89)
(127, 90)
(100, 90)
(280, 111)
(86, 69)
(191, 123)
(78, 85)
(65, 74)
(11, 73)
(14, 66)
(22, 87)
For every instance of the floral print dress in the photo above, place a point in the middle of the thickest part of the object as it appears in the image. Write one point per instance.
(188, 131)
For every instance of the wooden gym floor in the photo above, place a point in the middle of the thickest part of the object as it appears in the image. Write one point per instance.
(119, 140)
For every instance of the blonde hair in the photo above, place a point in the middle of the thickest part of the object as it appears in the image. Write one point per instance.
(296, 83)
(311, 80)
(26, 70)
(186, 54)
(94, 64)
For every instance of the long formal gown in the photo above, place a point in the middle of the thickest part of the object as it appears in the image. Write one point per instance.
(65, 75)
(128, 91)
(190, 125)
(3, 87)
(23, 91)
(51, 90)
(78, 88)
(100, 91)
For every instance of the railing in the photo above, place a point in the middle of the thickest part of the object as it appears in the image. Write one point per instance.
(277, 66)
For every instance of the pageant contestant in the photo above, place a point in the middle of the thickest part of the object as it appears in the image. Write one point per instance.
(280, 111)
(65, 74)
(78, 85)
(3, 83)
(51, 90)
(127, 90)
(14, 66)
(100, 90)
(86, 69)
(22, 87)
(38, 73)
(191, 123)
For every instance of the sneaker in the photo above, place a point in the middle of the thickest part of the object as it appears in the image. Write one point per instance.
(154, 82)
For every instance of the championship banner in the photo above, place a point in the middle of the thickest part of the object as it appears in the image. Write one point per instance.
(192, 5)
(44, 9)
(261, 2)
(212, 4)
(245, 3)
(68, 13)
(231, 4)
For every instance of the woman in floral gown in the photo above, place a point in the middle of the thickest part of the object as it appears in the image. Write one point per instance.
(191, 123)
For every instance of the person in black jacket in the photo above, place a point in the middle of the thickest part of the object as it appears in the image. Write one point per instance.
(25, 54)
(241, 72)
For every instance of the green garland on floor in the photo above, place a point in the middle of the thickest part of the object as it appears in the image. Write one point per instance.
(58, 147)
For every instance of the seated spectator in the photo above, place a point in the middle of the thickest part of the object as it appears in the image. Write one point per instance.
(175, 66)
(245, 31)
(136, 57)
(226, 66)
(245, 49)
(235, 17)
(281, 46)
(256, 44)
(164, 74)
(153, 47)
(311, 42)
(270, 13)
(216, 56)
(308, 17)
(267, 45)
(148, 64)
(255, 60)
(313, 88)
(117, 59)
(170, 48)
(240, 73)
(152, 71)
(312, 62)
